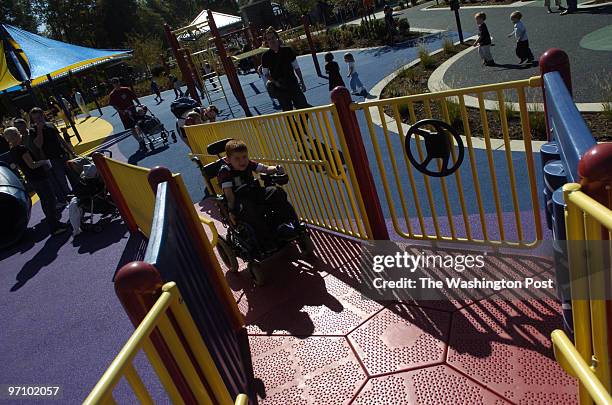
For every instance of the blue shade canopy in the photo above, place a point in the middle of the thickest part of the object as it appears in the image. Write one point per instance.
(48, 56)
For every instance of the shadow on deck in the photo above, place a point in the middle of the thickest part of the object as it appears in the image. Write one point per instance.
(315, 339)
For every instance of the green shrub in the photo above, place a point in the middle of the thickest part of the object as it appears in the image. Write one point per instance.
(403, 26)
(537, 123)
(448, 47)
(607, 110)
(408, 74)
(427, 61)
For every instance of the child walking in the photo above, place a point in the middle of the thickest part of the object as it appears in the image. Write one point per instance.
(333, 72)
(522, 42)
(356, 85)
(155, 90)
(484, 40)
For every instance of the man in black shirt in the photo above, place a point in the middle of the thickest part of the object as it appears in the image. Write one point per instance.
(280, 67)
(36, 173)
(47, 138)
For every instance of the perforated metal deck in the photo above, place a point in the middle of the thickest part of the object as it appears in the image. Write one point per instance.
(315, 340)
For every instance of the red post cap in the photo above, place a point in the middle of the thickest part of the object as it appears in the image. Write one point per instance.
(556, 60)
(596, 163)
(139, 278)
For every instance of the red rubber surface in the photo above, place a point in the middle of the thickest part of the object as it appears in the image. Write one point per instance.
(433, 385)
(349, 349)
(401, 338)
(317, 370)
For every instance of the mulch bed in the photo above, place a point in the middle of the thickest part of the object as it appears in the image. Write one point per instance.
(443, 4)
(415, 82)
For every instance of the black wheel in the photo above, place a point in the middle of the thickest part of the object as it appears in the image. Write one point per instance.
(227, 254)
(173, 135)
(164, 135)
(151, 145)
(257, 272)
(306, 245)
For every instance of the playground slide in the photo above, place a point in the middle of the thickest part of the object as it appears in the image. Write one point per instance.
(15, 207)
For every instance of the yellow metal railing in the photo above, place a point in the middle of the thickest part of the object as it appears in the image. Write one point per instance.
(133, 184)
(453, 211)
(589, 228)
(311, 146)
(212, 390)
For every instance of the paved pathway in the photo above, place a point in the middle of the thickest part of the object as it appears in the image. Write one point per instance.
(590, 68)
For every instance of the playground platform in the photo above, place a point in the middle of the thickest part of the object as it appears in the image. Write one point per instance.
(94, 131)
(315, 339)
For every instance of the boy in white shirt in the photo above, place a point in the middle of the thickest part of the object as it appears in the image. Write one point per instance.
(522, 42)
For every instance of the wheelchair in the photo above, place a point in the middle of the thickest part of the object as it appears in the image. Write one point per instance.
(241, 240)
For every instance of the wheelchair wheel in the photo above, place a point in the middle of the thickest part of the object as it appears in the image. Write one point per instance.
(257, 272)
(306, 245)
(227, 255)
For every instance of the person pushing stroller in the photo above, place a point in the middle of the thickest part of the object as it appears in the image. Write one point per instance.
(266, 209)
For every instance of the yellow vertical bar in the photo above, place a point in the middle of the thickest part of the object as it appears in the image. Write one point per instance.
(139, 388)
(468, 138)
(182, 360)
(432, 205)
(342, 184)
(464, 212)
(398, 182)
(295, 143)
(597, 289)
(417, 203)
(487, 137)
(382, 171)
(352, 187)
(504, 124)
(296, 184)
(533, 185)
(197, 345)
(162, 372)
(318, 189)
(574, 225)
(449, 211)
(331, 203)
(324, 151)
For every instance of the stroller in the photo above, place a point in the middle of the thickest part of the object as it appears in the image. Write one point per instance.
(180, 108)
(149, 125)
(241, 239)
(91, 196)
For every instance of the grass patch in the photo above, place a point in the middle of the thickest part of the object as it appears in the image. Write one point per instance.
(537, 123)
(427, 60)
(448, 47)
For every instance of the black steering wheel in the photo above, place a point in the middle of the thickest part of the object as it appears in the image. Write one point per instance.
(438, 145)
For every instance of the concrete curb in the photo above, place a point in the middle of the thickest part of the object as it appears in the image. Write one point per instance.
(436, 83)
(511, 5)
(477, 143)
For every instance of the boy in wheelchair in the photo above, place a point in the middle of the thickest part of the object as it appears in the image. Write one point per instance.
(265, 209)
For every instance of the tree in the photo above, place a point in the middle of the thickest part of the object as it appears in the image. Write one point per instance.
(299, 7)
(115, 20)
(19, 13)
(146, 50)
(79, 28)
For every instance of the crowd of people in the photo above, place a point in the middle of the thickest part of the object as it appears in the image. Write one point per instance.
(37, 149)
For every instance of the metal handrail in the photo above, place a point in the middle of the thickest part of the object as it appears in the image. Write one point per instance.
(568, 356)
